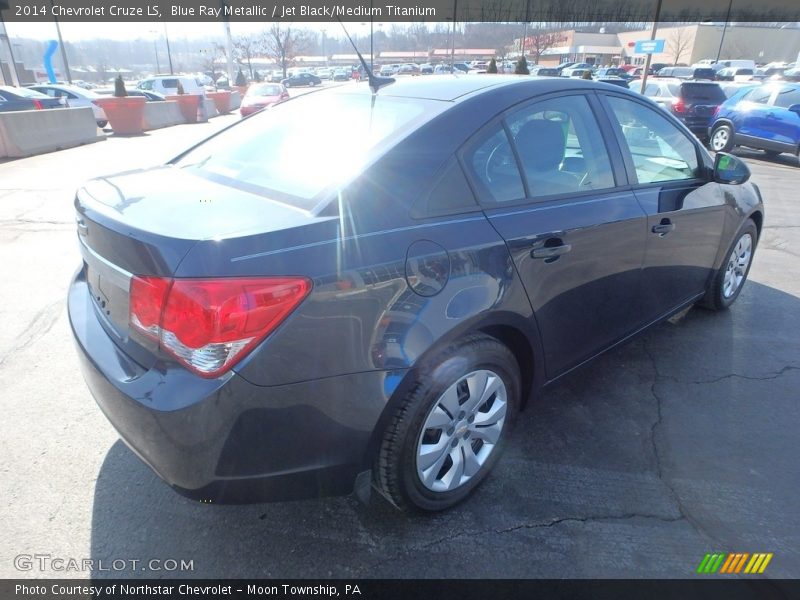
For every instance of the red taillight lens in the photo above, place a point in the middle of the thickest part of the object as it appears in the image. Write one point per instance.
(211, 324)
(679, 107)
(37, 104)
(716, 112)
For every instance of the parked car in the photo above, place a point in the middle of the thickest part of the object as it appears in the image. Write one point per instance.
(301, 79)
(792, 74)
(568, 71)
(167, 85)
(324, 73)
(75, 97)
(342, 74)
(461, 66)
(426, 69)
(544, 71)
(612, 72)
(256, 329)
(614, 81)
(386, 71)
(765, 117)
(149, 95)
(693, 102)
(261, 95)
(16, 98)
(735, 74)
(440, 69)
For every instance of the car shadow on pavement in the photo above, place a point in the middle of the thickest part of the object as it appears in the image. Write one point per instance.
(785, 159)
(636, 465)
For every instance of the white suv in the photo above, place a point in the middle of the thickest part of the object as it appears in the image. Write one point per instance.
(168, 84)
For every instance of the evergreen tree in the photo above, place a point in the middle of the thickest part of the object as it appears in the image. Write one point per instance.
(522, 67)
(492, 68)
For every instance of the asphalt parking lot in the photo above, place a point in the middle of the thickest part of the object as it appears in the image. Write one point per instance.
(681, 443)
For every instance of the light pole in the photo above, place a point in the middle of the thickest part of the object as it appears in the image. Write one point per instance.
(453, 48)
(724, 29)
(323, 47)
(155, 49)
(169, 52)
(652, 37)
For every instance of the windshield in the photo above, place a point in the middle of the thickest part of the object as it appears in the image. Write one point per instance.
(264, 89)
(295, 151)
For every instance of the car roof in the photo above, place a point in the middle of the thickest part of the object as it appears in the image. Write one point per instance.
(452, 88)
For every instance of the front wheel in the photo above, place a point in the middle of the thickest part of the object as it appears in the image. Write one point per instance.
(731, 276)
(721, 138)
(451, 428)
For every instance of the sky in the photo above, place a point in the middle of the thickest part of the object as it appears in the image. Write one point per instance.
(124, 31)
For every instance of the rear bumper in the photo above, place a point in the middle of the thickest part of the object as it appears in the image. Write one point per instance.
(227, 440)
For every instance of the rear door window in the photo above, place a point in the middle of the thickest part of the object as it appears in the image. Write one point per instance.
(787, 96)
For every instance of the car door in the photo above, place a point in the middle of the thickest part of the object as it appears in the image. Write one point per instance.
(751, 118)
(685, 209)
(555, 192)
(783, 124)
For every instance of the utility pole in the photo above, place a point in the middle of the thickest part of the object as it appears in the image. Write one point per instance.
(652, 37)
(453, 49)
(724, 29)
(169, 52)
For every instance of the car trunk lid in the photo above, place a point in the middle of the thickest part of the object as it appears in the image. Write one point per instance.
(145, 222)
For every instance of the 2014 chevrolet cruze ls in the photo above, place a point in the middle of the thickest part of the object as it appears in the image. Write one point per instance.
(354, 289)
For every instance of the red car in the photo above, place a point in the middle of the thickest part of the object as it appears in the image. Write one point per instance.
(262, 95)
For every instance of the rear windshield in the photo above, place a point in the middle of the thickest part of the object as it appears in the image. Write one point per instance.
(297, 150)
(704, 74)
(264, 89)
(710, 92)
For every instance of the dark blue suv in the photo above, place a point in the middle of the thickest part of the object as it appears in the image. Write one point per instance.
(766, 117)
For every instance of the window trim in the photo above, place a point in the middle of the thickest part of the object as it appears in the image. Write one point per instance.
(630, 167)
(615, 157)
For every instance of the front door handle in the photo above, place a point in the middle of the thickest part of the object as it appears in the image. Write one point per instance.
(663, 228)
(551, 251)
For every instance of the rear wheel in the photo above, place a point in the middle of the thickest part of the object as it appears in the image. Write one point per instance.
(102, 124)
(721, 138)
(451, 428)
(731, 276)
(772, 153)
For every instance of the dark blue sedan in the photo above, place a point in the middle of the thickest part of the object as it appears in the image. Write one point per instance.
(356, 289)
(766, 117)
(14, 99)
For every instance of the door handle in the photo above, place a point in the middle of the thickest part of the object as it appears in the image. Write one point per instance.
(551, 251)
(663, 228)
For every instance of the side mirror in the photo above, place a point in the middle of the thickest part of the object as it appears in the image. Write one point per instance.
(795, 108)
(730, 169)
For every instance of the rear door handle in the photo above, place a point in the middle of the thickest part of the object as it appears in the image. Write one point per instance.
(551, 251)
(663, 228)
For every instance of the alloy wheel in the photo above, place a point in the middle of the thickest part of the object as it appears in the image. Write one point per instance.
(461, 431)
(720, 139)
(736, 269)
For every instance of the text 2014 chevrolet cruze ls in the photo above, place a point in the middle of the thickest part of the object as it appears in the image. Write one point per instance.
(354, 288)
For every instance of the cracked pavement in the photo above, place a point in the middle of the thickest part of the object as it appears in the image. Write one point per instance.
(682, 442)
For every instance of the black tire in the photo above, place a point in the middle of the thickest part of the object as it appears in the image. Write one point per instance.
(772, 153)
(396, 465)
(729, 143)
(102, 124)
(715, 298)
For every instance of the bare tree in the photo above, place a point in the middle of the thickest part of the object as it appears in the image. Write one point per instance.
(540, 41)
(282, 43)
(210, 58)
(245, 48)
(678, 42)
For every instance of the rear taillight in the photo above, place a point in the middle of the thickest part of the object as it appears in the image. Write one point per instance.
(37, 104)
(716, 112)
(209, 325)
(679, 107)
